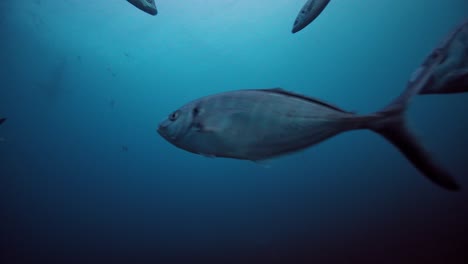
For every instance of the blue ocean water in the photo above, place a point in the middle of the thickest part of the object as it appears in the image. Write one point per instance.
(85, 178)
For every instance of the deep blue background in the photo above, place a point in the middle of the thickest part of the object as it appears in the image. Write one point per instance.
(80, 80)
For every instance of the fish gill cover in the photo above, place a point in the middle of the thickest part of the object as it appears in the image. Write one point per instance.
(85, 177)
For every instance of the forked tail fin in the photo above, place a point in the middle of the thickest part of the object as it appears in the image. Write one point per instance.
(392, 126)
(395, 130)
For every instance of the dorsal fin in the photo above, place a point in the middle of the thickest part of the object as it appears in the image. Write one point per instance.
(303, 97)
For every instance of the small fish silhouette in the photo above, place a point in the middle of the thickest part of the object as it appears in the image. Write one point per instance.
(147, 6)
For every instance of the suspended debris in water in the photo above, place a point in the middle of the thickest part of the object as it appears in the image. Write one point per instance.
(53, 85)
(109, 69)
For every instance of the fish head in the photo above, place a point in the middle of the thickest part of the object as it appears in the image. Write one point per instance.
(178, 123)
(446, 67)
(147, 6)
(308, 13)
(299, 23)
(196, 127)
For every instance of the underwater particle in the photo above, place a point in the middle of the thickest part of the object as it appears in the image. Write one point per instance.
(112, 103)
(36, 20)
(111, 72)
(124, 148)
(147, 6)
(54, 84)
(308, 13)
(262, 124)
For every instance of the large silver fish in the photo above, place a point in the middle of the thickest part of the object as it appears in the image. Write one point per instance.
(2, 120)
(445, 69)
(260, 124)
(309, 12)
(145, 5)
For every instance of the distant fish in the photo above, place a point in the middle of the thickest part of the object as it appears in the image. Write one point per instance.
(54, 83)
(445, 70)
(145, 5)
(124, 148)
(309, 12)
(109, 69)
(260, 124)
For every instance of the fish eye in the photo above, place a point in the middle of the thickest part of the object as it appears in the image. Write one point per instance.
(174, 115)
(436, 53)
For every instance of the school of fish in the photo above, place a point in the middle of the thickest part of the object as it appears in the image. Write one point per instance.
(259, 124)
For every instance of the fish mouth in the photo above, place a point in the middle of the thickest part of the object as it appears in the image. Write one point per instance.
(161, 131)
(297, 27)
(151, 11)
(164, 132)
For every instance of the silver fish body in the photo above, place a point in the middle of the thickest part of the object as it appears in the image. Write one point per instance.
(256, 124)
(445, 69)
(259, 124)
(148, 6)
(308, 13)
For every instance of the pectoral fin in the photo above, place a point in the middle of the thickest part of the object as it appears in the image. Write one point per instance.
(219, 123)
(202, 128)
(457, 81)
